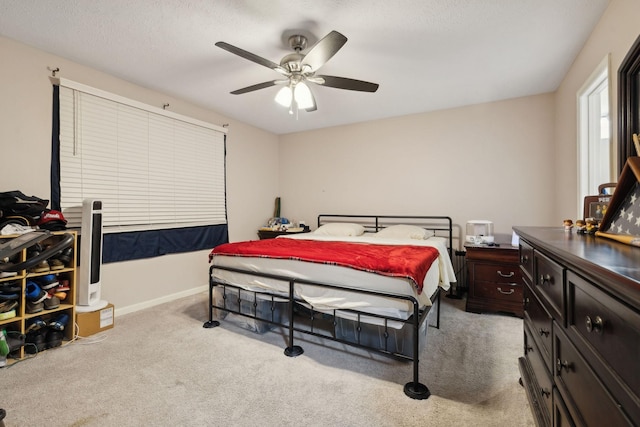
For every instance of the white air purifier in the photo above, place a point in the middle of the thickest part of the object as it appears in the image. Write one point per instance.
(88, 290)
(479, 232)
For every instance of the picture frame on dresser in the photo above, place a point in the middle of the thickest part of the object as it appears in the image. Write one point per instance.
(621, 221)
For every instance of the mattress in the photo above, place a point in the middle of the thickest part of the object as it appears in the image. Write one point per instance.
(440, 274)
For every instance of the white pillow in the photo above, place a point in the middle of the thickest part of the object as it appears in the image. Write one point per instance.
(402, 231)
(340, 229)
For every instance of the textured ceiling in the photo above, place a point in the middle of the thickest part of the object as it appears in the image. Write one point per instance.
(425, 54)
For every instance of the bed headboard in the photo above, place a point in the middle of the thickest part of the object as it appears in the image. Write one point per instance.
(440, 225)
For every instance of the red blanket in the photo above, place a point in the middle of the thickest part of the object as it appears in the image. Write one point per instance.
(411, 262)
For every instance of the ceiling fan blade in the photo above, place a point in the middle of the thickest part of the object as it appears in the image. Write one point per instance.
(349, 84)
(252, 57)
(323, 50)
(256, 87)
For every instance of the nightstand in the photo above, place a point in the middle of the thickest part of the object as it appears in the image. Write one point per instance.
(495, 281)
(272, 234)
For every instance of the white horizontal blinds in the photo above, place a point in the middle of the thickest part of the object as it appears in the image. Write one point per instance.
(149, 170)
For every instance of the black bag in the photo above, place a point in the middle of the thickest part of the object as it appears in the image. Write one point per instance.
(16, 203)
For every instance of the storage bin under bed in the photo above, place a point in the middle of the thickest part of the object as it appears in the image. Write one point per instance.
(397, 340)
(264, 309)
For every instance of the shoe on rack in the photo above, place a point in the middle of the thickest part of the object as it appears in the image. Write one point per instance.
(66, 255)
(35, 324)
(41, 267)
(64, 285)
(8, 305)
(9, 287)
(59, 322)
(4, 296)
(56, 264)
(34, 307)
(37, 341)
(8, 314)
(54, 338)
(47, 282)
(51, 303)
(34, 293)
(5, 274)
(60, 295)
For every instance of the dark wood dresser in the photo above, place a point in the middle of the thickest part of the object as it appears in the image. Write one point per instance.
(495, 280)
(581, 363)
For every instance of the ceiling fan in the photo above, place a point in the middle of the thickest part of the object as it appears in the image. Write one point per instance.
(298, 69)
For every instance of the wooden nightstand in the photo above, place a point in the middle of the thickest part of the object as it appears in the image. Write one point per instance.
(271, 234)
(495, 281)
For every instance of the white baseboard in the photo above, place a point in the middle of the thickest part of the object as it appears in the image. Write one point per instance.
(118, 311)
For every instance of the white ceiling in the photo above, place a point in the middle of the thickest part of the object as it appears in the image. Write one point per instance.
(425, 54)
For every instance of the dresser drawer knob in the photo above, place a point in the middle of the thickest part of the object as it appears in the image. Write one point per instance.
(544, 332)
(594, 325)
(566, 365)
(506, 293)
(524, 259)
(511, 273)
(546, 278)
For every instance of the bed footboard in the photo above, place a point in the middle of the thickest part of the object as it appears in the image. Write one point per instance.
(373, 332)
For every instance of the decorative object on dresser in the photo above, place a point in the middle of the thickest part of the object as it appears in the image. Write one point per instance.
(622, 220)
(495, 281)
(581, 328)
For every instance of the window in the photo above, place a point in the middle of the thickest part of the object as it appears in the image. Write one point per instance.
(151, 169)
(595, 151)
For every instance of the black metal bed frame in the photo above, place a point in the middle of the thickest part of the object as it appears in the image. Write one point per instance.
(303, 318)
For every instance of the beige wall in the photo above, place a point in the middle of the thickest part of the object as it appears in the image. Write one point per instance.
(615, 33)
(490, 161)
(25, 137)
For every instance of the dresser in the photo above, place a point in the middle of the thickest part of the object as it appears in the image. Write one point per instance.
(495, 280)
(581, 361)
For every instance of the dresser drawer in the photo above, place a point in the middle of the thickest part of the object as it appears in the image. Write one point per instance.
(540, 323)
(549, 285)
(544, 385)
(607, 327)
(587, 399)
(526, 259)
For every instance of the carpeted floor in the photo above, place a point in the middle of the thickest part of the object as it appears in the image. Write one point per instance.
(160, 367)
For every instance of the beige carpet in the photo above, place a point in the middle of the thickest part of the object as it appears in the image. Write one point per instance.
(160, 367)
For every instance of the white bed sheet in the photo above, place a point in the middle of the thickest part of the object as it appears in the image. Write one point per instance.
(440, 274)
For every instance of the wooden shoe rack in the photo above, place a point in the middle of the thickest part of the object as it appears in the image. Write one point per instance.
(17, 325)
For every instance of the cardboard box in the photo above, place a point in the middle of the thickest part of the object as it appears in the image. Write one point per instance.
(92, 322)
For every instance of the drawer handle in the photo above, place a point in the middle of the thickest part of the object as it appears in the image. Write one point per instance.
(506, 275)
(596, 325)
(544, 332)
(566, 365)
(546, 278)
(544, 392)
(524, 259)
(506, 293)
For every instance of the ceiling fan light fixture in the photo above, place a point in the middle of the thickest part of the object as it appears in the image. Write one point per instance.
(303, 96)
(284, 96)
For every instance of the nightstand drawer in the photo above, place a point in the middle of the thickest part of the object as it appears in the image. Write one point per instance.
(499, 291)
(498, 273)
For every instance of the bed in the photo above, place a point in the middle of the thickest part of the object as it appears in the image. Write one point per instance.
(309, 283)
